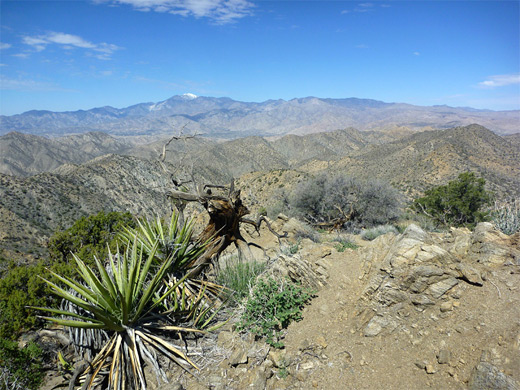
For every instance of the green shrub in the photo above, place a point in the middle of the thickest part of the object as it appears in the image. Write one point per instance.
(21, 287)
(458, 203)
(373, 233)
(238, 276)
(89, 237)
(20, 368)
(272, 306)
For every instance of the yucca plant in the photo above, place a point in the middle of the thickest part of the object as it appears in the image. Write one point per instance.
(170, 238)
(178, 238)
(125, 299)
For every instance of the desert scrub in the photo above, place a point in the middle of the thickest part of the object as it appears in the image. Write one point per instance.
(238, 276)
(372, 234)
(272, 306)
(341, 244)
(20, 368)
(506, 216)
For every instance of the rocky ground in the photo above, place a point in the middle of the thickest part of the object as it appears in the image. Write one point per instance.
(412, 311)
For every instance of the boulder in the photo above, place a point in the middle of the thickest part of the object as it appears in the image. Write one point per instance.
(486, 376)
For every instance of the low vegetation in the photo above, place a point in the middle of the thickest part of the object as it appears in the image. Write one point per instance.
(272, 306)
(373, 233)
(458, 203)
(20, 368)
(345, 202)
(506, 216)
(239, 277)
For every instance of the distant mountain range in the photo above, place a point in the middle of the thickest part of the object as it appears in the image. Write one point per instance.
(227, 118)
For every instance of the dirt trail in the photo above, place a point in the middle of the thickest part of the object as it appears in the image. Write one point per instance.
(429, 349)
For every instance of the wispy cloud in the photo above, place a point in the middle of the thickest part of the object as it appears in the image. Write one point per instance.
(363, 7)
(220, 11)
(102, 51)
(416, 53)
(20, 84)
(4, 45)
(500, 80)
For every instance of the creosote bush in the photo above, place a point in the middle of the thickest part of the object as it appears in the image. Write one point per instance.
(272, 306)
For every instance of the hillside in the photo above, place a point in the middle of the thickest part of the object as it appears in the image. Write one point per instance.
(26, 154)
(227, 118)
(31, 209)
(432, 158)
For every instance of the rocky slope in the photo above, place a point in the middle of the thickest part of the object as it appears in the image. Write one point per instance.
(25, 154)
(31, 209)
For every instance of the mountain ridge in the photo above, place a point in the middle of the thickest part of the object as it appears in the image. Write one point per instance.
(227, 118)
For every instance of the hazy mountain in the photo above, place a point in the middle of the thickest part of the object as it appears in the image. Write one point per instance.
(227, 118)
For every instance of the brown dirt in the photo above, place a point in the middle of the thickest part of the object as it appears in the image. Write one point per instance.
(484, 322)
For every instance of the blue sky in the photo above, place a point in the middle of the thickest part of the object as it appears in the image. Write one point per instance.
(69, 55)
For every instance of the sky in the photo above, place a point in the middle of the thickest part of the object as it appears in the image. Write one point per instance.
(69, 55)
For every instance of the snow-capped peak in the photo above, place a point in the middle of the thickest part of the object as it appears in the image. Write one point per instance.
(189, 96)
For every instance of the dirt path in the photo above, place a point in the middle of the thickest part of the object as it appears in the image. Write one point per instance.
(429, 349)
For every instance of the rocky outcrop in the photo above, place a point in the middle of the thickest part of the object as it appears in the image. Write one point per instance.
(417, 270)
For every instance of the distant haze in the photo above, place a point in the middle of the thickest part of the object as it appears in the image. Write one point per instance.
(228, 118)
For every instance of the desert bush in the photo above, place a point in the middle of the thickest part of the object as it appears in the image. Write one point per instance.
(238, 276)
(373, 233)
(324, 199)
(89, 236)
(20, 287)
(458, 203)
(506, 216)
(272, 306)
(20, 368)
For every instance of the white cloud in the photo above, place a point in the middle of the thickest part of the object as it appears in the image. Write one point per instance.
(500, 80)
(416, 53)
(220, 11)
(102, 50)
(4, 45)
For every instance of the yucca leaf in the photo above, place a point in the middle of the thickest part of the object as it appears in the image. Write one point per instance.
(76, 324)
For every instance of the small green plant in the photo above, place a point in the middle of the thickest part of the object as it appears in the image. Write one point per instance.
(372, 234)
(20, 368)
(282, 371)
(272, 306)
(238, 276)
(342, 245)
